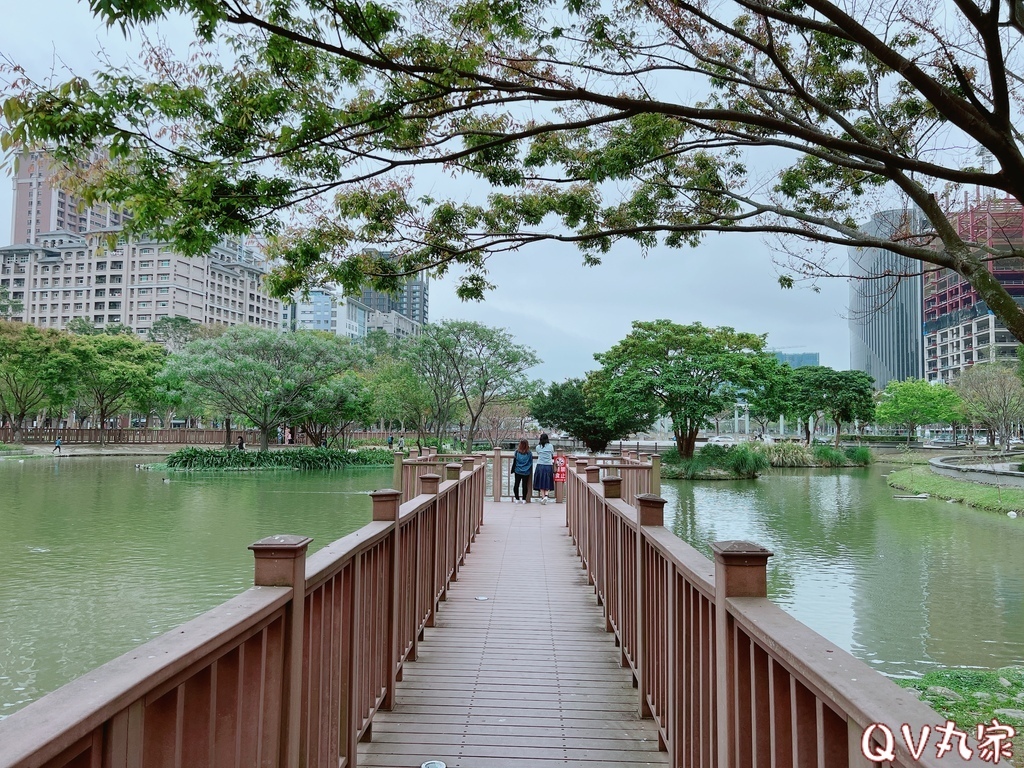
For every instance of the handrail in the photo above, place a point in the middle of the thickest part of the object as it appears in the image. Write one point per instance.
(265, 678)
(730, 679)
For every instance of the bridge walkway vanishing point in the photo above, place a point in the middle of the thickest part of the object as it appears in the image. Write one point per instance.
(527, 676)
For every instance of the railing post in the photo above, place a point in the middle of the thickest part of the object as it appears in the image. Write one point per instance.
(396, 476)
(593, 475)
(428, 484)
(741, 570)
(496, 477)
(453, 469)
(656, 474)
(281, 562)
(650, 511)
(386, 507)
(612, 487)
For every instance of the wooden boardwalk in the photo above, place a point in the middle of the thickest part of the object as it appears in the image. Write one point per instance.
(525, 678)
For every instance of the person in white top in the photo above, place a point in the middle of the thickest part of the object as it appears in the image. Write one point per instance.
(543, 475)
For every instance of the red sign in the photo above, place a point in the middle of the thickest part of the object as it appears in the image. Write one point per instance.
(561, 468)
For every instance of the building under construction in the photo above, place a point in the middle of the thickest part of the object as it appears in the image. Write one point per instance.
(959, 328)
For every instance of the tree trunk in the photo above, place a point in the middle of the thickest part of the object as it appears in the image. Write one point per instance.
(227, 432)
(807, 432)
(839, 430)
(264, 440)
(686, 443)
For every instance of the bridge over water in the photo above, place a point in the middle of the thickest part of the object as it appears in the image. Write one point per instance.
(457, 627)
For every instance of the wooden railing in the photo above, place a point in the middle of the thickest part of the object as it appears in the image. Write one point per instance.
(732, 680)
(289, 673)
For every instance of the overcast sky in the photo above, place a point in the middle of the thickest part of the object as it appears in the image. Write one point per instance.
(545, 297)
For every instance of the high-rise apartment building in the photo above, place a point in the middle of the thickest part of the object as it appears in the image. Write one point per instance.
(41, 206)
(959, 328)
(66, 275)
(328, 311)
(412, 300)
(885, 305)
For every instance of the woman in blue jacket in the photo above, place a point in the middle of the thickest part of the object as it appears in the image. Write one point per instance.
(522, 465)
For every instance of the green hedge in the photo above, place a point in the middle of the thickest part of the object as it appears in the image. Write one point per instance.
(291, 458)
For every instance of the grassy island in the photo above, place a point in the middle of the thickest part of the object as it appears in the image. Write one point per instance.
(748, 460)
(291, 458)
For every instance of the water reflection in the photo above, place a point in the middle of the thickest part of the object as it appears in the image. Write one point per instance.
(97, 557)
(904, 585)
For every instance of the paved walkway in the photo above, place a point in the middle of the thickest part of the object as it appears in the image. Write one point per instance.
(527, 677)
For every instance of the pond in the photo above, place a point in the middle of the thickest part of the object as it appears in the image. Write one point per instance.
(97, 557)
(905, 585)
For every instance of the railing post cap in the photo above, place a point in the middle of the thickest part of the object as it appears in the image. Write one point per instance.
(734, 552)
(650, 498)
(385, 494)
(282, 545)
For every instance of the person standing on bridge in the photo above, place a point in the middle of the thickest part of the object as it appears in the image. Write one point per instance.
(543, 477)
(522, 466)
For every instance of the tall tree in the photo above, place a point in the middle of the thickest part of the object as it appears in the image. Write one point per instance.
(840, 396)
(769, 397)
(993, 396)
(35, 369)
(429, 361)
(174, 332)
(807, 114)
(574, 406)
(113, 372)
(915, 402)
(687, 373)
(262, 375)
(488, 366)
(333, 407)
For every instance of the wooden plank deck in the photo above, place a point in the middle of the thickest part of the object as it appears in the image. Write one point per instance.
(525, 678)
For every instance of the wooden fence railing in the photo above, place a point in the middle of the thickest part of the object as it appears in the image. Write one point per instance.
(176, 436)
(732, 680)
(289, 673)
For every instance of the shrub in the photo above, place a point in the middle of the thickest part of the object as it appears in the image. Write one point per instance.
(786, 454)
(858, 455)
(192, 458)
(714, 453)
(744, 461)
(827, 456)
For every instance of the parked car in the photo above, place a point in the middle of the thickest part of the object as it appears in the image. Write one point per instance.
(721, 440)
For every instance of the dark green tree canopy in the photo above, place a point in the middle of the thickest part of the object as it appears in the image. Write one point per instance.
(805, 118)
(574, 406)
(687, 373)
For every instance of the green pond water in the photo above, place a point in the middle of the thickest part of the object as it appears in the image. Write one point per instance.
(97, 557)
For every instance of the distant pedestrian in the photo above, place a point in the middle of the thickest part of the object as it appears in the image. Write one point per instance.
(522, 466)
(241, 443)
(280, 436)
(543, 476)
(391, 442)
(56, 447)
(401, 443)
